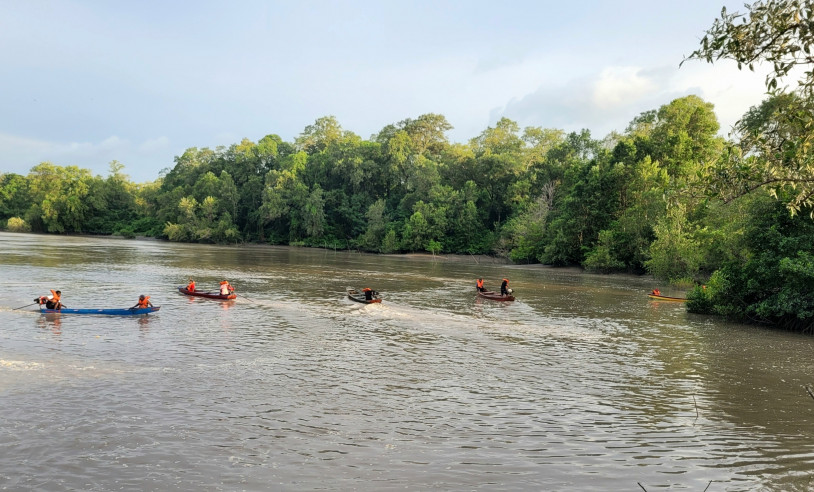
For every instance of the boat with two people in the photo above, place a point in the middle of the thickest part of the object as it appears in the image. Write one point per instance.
(228, 295)
(103, 312)
(495, 296)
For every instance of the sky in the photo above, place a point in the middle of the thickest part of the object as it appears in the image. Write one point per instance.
(84, 83)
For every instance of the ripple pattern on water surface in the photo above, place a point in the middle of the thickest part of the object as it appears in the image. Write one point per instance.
(581, 384)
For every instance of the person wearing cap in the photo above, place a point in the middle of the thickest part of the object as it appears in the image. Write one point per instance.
(143, 302)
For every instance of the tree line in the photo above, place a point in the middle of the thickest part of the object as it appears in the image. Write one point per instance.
(666, 196)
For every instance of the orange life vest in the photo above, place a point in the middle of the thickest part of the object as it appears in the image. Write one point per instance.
(191, 286)
(143, 303)
(56, 296)
(480, 283)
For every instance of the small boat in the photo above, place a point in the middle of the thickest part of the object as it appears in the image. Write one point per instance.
(208, 295)
(659, 297)
(104, 312)
(495, 296)
(357, 296)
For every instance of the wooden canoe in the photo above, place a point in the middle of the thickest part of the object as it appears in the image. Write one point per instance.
(104, 312)
(495, 296)
(357, 296)
(666, 298)
(208, 295)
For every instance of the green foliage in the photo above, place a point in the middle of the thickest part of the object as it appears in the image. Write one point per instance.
(434, 247)
(776, 139)
(675, 253)
(16, 224)
(773, 284)
(390, 243)
(600, 258)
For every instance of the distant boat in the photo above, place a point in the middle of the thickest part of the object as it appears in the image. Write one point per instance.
(208, 295)
(357, 296)
(104, 312)
(660, 297)
(495, 296)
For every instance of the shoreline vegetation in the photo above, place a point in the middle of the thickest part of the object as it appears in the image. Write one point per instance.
(666, 196)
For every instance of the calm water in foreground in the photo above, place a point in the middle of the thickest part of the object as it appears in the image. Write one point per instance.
(582, 384)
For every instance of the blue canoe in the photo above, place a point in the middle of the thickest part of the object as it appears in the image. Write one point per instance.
(107, 312)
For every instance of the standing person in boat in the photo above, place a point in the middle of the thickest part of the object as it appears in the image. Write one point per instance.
(191, 285)
(143, 302)
(226, 289)
(480, 286)
(504, 287)
(368, 293)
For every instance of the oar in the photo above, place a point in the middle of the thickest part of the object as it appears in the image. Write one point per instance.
(247, 298)
(25, 306)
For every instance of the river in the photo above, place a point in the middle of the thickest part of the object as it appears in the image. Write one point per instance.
(581, 384)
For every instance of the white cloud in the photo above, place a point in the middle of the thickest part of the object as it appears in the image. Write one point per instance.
(154, 144)
(608, 99)
(618, 86)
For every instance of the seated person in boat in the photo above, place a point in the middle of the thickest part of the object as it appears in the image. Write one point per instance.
(504, 287)
(225, 288)
(479, 285)
(143, 302)
(54, 301)
(655, 292)
(368, 293)
(191, 285)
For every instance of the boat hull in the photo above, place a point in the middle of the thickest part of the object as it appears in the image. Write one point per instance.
(104, 312)
(357, 296)
(495, 296)
(666, 298)
(208, 295)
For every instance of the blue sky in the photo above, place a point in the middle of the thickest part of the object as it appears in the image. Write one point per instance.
(83, 83)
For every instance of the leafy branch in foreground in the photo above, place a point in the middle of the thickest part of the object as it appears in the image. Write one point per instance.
(776, 139)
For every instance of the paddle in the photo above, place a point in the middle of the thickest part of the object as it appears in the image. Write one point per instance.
(247, 298)
(25, 306)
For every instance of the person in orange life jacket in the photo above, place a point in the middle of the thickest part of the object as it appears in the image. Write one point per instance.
(656, 292)
(143, 302)
(368, 293)
(479, 285)
(191, 285)
(54, 301)
(225, 288)
(504, 287)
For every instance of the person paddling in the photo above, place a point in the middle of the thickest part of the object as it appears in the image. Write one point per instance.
(54, 301)
(479, 285)
(504, 287)
(191, 285)
(143, 302)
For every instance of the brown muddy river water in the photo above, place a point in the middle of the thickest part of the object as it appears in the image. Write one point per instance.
(581, 384)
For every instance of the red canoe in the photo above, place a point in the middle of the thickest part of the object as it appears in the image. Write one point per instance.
(208, 295)
(495, 296)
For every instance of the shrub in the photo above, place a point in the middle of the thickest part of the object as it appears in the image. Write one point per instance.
(16, 224)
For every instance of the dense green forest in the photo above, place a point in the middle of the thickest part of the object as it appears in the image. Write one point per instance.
(667, 195)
